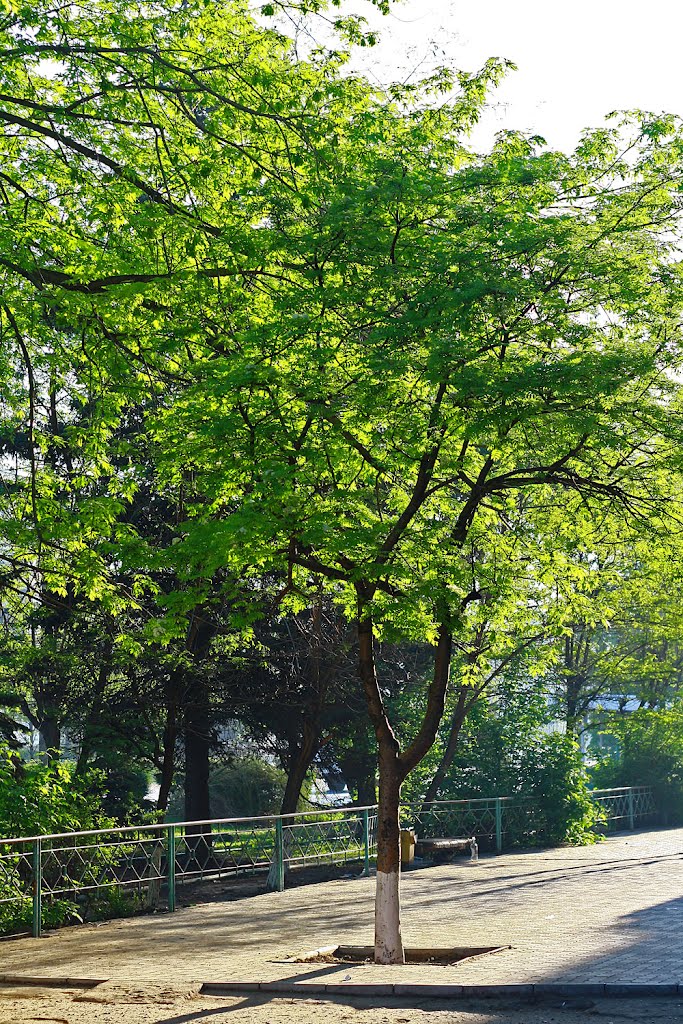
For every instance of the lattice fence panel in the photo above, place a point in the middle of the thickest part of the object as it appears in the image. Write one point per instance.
(225, 849)
(337, 840)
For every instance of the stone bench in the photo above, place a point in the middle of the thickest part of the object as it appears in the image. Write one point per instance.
(441, 851)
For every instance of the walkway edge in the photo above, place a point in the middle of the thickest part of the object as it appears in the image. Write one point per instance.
(49, 982)
(408, 990)
(427, 991)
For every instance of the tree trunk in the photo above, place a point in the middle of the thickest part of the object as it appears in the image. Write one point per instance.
(366, 788)
(197, 735)
(573, 718)
(394, 765)
(576, 651)
(303, 750)
(90, 726)
(168, 762)
(197, 753)
(388, 939)
(359, 769)
(467, 698)
(50, 743)
(300, 760)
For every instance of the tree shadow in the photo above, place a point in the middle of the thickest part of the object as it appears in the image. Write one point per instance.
(650, 950)
(247, 1003)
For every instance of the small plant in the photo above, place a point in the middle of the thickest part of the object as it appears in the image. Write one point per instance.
(112, 902)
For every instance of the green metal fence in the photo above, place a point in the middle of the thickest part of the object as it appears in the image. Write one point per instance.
(623, 808)
(44, 879)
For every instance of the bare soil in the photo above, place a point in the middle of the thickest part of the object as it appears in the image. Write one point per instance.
(119, 1003)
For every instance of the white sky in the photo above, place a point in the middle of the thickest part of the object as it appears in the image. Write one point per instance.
(577, 60)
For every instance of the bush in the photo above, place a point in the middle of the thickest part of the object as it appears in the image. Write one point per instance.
(649, 753)
(246, 788)
(552, 774)
(39, 799)
(498, 758)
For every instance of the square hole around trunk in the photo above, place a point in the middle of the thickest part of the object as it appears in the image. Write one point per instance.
(444, 956)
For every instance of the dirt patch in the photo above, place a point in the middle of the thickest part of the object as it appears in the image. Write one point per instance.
(119, 992)
(25, 1006)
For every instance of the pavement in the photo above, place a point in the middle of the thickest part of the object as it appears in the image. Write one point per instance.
(608, 914)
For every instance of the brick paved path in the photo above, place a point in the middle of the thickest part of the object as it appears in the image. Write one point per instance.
(607, 913)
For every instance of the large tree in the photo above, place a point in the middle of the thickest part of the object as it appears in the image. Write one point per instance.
(362, 340)
(441, 334)
(456, 331)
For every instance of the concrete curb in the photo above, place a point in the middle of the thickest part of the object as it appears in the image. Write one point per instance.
(427, 991)
(398, 990)
(27, 979)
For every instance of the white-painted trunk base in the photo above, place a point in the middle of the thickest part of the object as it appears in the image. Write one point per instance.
(388, 941)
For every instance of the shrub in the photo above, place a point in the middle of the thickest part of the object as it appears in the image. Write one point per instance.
(496, 758)
(649, 753)
(246, 788)
(39, 799)
(552, 774)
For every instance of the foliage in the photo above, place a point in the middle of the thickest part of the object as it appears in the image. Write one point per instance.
(248, 787)
(347, 356)
(554, 775)
(125, 788)
(110, 902)
(39, 799)
(619, 641)
(649, 752)
(509, 755)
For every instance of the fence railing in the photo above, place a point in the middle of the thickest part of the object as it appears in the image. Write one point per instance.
(625, 806)
(46, 879)
(487, 818)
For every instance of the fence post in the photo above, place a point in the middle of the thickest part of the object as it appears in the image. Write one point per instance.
(366, 841)
(499, 825)
(37, 882)
(170, 865)
(631, 814)
(279, 856)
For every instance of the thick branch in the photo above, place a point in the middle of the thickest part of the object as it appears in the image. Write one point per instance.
(436, 700)
(100, 158)
(386, 737)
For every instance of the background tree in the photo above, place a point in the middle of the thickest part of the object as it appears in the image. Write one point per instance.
(620, 641)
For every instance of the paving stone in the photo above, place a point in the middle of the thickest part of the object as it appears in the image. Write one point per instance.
(611, 913)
